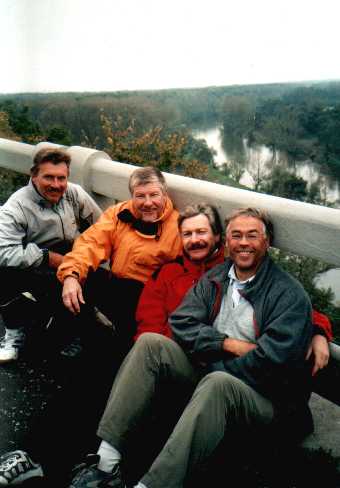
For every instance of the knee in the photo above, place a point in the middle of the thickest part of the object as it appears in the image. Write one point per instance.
(221, 381)
(151, 340)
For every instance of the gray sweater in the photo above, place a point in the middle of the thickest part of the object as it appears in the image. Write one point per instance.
(29, 223)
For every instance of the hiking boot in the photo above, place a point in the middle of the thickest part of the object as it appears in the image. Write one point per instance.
(87, 475)
(17, 467)
(73, 349)
(10, 343)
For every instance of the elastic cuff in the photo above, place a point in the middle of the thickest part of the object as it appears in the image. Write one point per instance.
(73, 274)
(46, 257)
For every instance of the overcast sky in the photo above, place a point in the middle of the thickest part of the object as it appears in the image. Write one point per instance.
(95, 45)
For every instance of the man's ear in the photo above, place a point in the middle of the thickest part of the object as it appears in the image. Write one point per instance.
(226, 249)
(268, 243)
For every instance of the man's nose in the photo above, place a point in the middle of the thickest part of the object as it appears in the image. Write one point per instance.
(244, 241)
(55, 183)
(147, 201)
(194, 237)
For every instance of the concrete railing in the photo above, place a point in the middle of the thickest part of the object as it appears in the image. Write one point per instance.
(302, 228)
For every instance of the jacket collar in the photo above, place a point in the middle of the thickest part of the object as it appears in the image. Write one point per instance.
(256, 284)
(263, 272)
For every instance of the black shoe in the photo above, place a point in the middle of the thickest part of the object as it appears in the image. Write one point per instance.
(73, 349)
(17, 467)
(87, 475)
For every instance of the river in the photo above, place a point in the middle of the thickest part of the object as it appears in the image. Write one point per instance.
(259, 161)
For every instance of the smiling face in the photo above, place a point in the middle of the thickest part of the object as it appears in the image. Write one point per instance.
(247, 245)
(51, 181)
(148, 201)
(198, 239)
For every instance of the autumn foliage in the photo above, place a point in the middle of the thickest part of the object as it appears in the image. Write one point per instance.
(154, 147)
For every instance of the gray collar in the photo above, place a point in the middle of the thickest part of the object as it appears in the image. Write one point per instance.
(234, 279)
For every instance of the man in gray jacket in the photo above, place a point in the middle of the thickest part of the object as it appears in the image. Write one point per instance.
(242, 334)
(38, 225)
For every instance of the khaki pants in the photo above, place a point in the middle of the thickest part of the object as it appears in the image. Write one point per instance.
(219, 402)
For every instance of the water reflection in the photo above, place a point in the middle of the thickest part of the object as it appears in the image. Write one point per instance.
(254, 162)
(331, 278)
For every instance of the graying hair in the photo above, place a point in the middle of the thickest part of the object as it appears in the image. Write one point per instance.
(256, 213)
(145, 175)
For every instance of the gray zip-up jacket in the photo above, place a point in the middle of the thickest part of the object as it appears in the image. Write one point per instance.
(282, 319)
(29, 223)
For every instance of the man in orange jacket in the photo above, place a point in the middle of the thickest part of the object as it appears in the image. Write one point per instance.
(137, 236)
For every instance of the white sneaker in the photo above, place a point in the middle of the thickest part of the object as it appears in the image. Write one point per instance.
(10, 344)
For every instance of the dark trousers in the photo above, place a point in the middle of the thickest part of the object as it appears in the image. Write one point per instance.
(117, 298)
(34, 315)
(87, 380)
(42, 283)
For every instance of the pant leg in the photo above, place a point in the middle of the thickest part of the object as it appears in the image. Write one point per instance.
(220, 402)
(152, 362)
(13, 282)
(117, 298)
(16, 310)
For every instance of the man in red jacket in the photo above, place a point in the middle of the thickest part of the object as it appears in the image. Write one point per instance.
(201, 230)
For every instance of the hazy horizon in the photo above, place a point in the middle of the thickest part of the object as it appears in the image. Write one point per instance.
(294, 82)
(60, 46)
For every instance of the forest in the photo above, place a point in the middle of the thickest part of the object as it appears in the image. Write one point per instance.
(301, 120)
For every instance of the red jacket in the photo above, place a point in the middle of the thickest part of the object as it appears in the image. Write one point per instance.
(322, 325)
(163, 293)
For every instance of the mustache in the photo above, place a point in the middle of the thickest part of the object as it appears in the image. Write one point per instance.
(199, 245)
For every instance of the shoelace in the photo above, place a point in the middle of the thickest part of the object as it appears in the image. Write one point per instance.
(14, 342)
(10, 462)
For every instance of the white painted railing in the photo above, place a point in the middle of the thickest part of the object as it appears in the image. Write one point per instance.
(302, 228)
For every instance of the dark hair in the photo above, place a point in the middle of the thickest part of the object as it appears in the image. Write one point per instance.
(257, 214)
(202, 208)
(145, 175)
(49, 155)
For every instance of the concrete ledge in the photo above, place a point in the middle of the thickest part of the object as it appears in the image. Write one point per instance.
(326, 435)
(302, 228)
